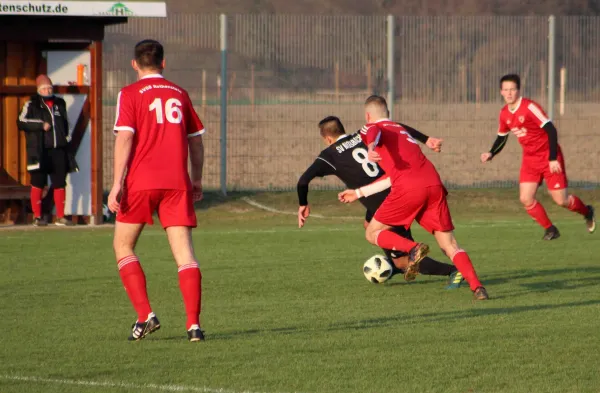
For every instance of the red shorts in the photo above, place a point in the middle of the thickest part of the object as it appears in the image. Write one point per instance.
(174, 208)
(534, 170)
(426, 205)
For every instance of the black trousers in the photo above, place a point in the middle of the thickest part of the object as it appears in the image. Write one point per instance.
(54, 163)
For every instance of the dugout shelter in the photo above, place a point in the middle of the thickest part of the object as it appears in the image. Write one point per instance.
(63, 40)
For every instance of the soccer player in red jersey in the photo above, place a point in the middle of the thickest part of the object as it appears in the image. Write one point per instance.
(417, 193)
(542, 156)
(155, 127)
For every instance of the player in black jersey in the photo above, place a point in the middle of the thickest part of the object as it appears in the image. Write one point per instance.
(346, 158)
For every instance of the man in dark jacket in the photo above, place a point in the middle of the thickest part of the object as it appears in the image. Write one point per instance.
(44, 120)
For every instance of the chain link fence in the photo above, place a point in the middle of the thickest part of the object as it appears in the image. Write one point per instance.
(286, 72)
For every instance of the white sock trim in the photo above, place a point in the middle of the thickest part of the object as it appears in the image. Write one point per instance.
(534, 204)
(193, 265)
(456, 253)
(127, 260)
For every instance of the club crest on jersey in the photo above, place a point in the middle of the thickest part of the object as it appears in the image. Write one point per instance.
(508, 121)
(521, 119)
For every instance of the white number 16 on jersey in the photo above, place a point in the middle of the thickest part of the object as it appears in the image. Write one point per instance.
(172, 110)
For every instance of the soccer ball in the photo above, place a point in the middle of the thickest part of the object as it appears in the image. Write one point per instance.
(377, 269)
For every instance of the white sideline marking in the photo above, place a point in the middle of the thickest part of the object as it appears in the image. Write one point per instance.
(472, 224)
(119, 385)
(270, 209)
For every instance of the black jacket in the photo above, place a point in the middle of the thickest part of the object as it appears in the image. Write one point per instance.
(34, 114)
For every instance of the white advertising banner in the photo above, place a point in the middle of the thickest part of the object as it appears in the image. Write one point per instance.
(84, 8)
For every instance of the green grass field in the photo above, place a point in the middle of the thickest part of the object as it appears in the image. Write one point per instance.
(288, 310)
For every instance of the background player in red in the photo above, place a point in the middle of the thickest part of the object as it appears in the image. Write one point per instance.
(156, 125)
(542, 156)
(417, 193)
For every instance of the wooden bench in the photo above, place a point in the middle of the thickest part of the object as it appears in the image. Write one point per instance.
(13, 200)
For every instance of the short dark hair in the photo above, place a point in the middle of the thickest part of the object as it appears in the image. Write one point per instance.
(376, 99)
(331, 126)
(516, 79)
(379, 101)
(149, 54)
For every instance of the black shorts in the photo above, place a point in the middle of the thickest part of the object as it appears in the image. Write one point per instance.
(369, 215)
(54, 163)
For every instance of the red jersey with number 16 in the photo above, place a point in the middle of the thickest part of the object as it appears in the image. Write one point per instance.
(526, 122)
(401, 155)
(161, 116)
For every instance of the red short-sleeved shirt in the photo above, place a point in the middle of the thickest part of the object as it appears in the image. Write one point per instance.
(526, 122)
(401, 155)
(162, 118)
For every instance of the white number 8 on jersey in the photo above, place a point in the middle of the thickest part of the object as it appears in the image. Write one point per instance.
(360, 156)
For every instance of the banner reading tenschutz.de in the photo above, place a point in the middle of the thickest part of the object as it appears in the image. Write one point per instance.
(84, 8)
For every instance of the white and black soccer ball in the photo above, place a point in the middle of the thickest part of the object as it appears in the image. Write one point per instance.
(377, 269)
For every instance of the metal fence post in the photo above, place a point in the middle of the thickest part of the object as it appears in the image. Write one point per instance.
(390, 64)
(223, 140)
(551, 64)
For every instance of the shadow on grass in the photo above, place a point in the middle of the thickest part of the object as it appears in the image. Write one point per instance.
(394, 320)
(412, 283)
(450, 316)
(592, 274)
(525, 274)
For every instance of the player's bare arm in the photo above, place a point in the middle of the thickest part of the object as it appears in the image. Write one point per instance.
(123, 144)
(373, 156)
(372, 135)
(303, 213)
(196, 146)
(349, 196)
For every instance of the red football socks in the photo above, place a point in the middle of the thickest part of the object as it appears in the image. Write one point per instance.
(36, 201)
(576, 205)
(538, 213)
(59, 201)
(134, 282)
(392, 241)
(464, 265)
(190, 280)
